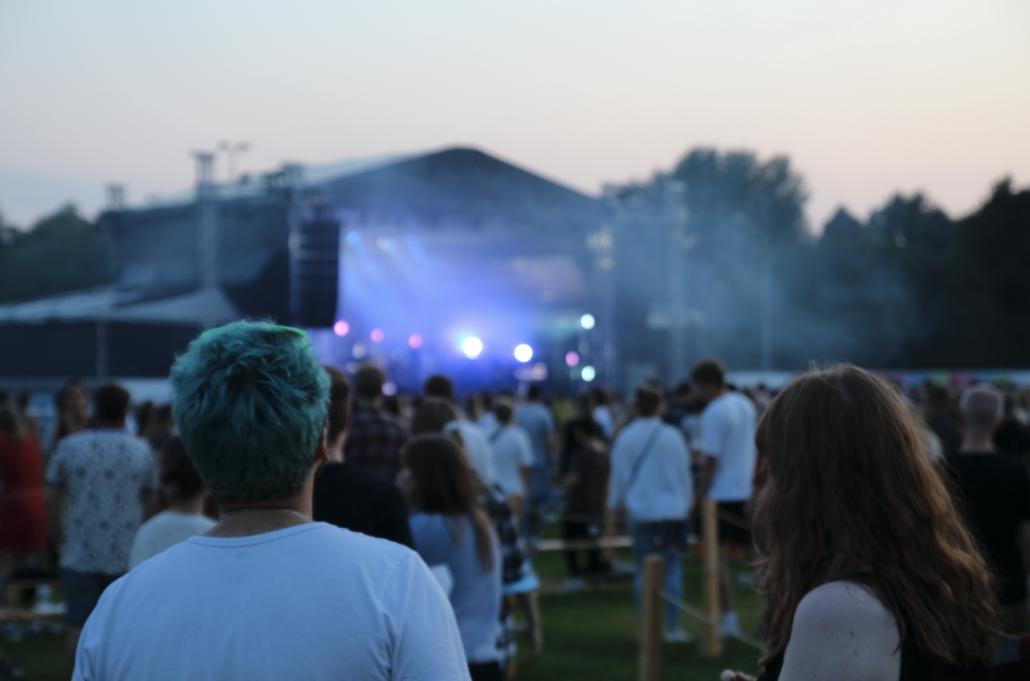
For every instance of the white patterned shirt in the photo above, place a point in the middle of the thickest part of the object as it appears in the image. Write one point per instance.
(102, 473)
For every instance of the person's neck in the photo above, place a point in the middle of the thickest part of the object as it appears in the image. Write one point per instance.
(977, 442)
(336, 450)
(245, 518)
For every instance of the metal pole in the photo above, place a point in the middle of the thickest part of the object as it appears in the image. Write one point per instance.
(765, 294)
(676, 219)
(208, 225)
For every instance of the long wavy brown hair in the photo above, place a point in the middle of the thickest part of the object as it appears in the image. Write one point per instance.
(851, 494)
(444, 484)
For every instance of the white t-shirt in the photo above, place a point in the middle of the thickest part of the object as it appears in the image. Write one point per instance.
(477, 449)
(165, 529)
(727, 433)
(663, 488)
(536, 420)
(603, 415)
(312, 601)
(512, 452)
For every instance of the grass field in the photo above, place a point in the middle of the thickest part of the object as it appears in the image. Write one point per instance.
(587, 635)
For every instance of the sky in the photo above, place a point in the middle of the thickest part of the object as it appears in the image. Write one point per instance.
(867, 98)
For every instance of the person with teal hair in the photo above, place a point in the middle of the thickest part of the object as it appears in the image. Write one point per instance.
(250, 401)
(267, 593)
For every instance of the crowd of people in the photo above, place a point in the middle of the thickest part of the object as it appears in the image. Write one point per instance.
(294, 522)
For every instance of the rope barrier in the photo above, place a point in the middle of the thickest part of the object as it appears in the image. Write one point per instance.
(700, 616)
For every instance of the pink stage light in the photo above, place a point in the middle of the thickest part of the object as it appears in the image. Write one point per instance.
(572, 358)
(377, 335)
(341, 328)
(415, 341)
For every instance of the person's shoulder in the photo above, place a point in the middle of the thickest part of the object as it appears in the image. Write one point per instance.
(373, 553)
(842, 606)
(151, 523)
(137, 445)
(841, 631)
(155, 570)
(428, 524)
(471, 431)
(671, 431)
(76, 440)
(628, 432)
(716, 407)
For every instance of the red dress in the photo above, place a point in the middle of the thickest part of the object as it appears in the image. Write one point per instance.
(22, 507)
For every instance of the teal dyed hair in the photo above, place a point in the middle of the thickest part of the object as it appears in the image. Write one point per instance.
(250, 400)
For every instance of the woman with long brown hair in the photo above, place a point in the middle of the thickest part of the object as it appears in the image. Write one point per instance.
(867, 567)
(451, 529)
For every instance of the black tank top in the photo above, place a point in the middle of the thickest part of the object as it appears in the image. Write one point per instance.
(914, 667)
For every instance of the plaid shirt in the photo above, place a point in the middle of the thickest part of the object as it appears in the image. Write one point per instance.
(513, 554)
(513, 560)
(374, 442)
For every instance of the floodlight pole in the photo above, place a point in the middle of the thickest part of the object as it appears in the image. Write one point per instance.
(232, 151)
(207, 224)
(675, 217)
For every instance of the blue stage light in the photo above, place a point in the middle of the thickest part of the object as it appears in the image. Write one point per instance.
(588, 373)
(587, 321)
(523, 352)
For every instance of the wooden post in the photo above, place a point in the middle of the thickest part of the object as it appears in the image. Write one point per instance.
(649, 665)
(710, 540)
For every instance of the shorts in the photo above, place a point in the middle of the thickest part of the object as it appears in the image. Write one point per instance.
(734, 523)
(81, 592)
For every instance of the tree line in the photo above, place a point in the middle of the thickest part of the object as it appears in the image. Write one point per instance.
(906, 287)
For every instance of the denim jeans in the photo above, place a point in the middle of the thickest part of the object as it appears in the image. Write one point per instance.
(663, 538)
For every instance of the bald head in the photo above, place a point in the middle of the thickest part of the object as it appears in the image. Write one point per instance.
(982, 407)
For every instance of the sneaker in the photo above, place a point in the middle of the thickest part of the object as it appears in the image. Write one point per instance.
(573, 584)
(677, 636)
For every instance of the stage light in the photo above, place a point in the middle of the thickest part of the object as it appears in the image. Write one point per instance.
(587, 321)
(341, 328)
(523, 352)
(588, 373)
(414, 341)
(572, 358)
(389, 389)
(359, 351)
(377, 335)
(472, 347)
(354, 238)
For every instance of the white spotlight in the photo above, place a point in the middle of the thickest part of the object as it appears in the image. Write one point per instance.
(523, 352)
(472, 347)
